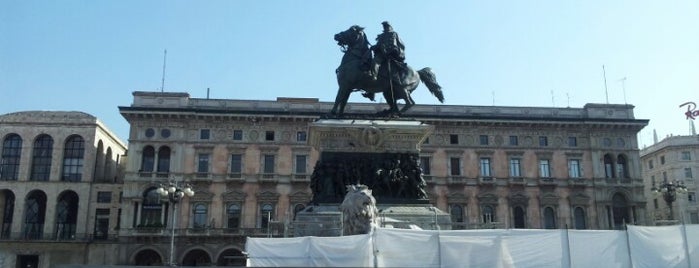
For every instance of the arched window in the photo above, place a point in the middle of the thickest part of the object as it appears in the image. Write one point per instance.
(608, 166)
(520, 219)
(488, 214)
(66, 215)
(164, 159)
(148, 159)
(34, 215)
(233, 216)
(457, 215)
(8, 209)
(579, 215)
(266, 215)
(152, 209)
(73, 156)
(621, 167)
(109, 166)
(148, 257)
(99, 163)
(9, 159)
(41, 158)
(298, 208)
(199, 219)
(549, 218)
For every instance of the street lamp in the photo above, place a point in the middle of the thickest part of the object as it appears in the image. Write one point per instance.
(174, 192)
(669, 190)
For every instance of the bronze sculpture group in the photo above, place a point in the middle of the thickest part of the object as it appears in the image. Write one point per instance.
(383, 71)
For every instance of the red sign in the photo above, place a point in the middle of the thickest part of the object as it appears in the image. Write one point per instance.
(691, 112)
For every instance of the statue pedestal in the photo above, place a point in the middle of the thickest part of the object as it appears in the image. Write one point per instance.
(382, 154)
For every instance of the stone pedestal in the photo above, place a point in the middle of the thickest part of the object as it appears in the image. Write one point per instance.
(382, 154)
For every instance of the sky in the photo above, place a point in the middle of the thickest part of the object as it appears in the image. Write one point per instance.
(90, 56)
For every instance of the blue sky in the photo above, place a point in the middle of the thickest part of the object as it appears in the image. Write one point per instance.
(91, 55)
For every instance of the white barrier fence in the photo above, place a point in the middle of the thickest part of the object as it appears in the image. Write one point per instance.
(638, 246)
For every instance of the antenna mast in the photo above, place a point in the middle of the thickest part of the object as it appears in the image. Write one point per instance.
(162, 82)
(606, 93)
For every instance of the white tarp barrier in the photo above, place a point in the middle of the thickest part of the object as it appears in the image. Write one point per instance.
(657, 247)
(667, 246)
(598, 248)
(406, 248)
(345, 251)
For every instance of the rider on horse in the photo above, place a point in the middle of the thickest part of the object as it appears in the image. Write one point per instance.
(389, 49)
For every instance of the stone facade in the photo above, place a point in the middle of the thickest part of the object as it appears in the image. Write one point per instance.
(673, 158)
(250, 163)
(60, 176)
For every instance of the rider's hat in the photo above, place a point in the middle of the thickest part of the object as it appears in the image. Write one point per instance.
(387, 26)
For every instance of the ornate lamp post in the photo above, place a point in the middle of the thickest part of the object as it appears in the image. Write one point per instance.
(669, 190)
(174, 192)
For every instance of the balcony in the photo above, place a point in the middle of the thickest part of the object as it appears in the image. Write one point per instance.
(517, 181)
(300, 177)
(456, 179)
(547, 181)
(486, 180)
(274, 231)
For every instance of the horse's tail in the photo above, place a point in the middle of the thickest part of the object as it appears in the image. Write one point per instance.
(430, 80)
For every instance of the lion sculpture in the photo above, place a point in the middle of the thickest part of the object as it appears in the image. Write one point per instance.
(359, 212)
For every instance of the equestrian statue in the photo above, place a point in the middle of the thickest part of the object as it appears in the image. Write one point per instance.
(383, 71)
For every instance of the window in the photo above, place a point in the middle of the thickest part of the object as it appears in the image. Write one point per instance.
(301, 136)
(66, 215)
(543, 141)
(664, 176)
(662, 160)
(485, 167)
(151, 209)
(453, 139)
(236, 164)
(686, 156)
(650, 164)
(237, 135)
(688, 173)
(41, 159)
(301, 164)
(652, 180)
(147, 159)
(455, 166)
(150, 133)
(73, 159)
(165, 133)
(572, 142)
(101, 223)
(574, 168)
(9, 159)
(8, 207)
(204, 134)
(483, 139)
(579, 215)
(515, 167)
(425, 165)
(549, 218)
(692, 197)
(655, 203)
(608, 166)
(104, 197)
(164, 159)
(514, 141)
(268, 164)
(622, 170)
(488, 215)
(203, 164)
(544, 168)
(266, 215)
(427, 140)
(34, 215)
(233, 212)
(199, 219)
(269, 135)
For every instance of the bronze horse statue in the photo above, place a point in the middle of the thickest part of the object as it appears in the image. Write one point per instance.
(397, 84)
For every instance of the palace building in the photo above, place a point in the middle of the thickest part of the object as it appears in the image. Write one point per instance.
(60, 189)
(249, 163)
